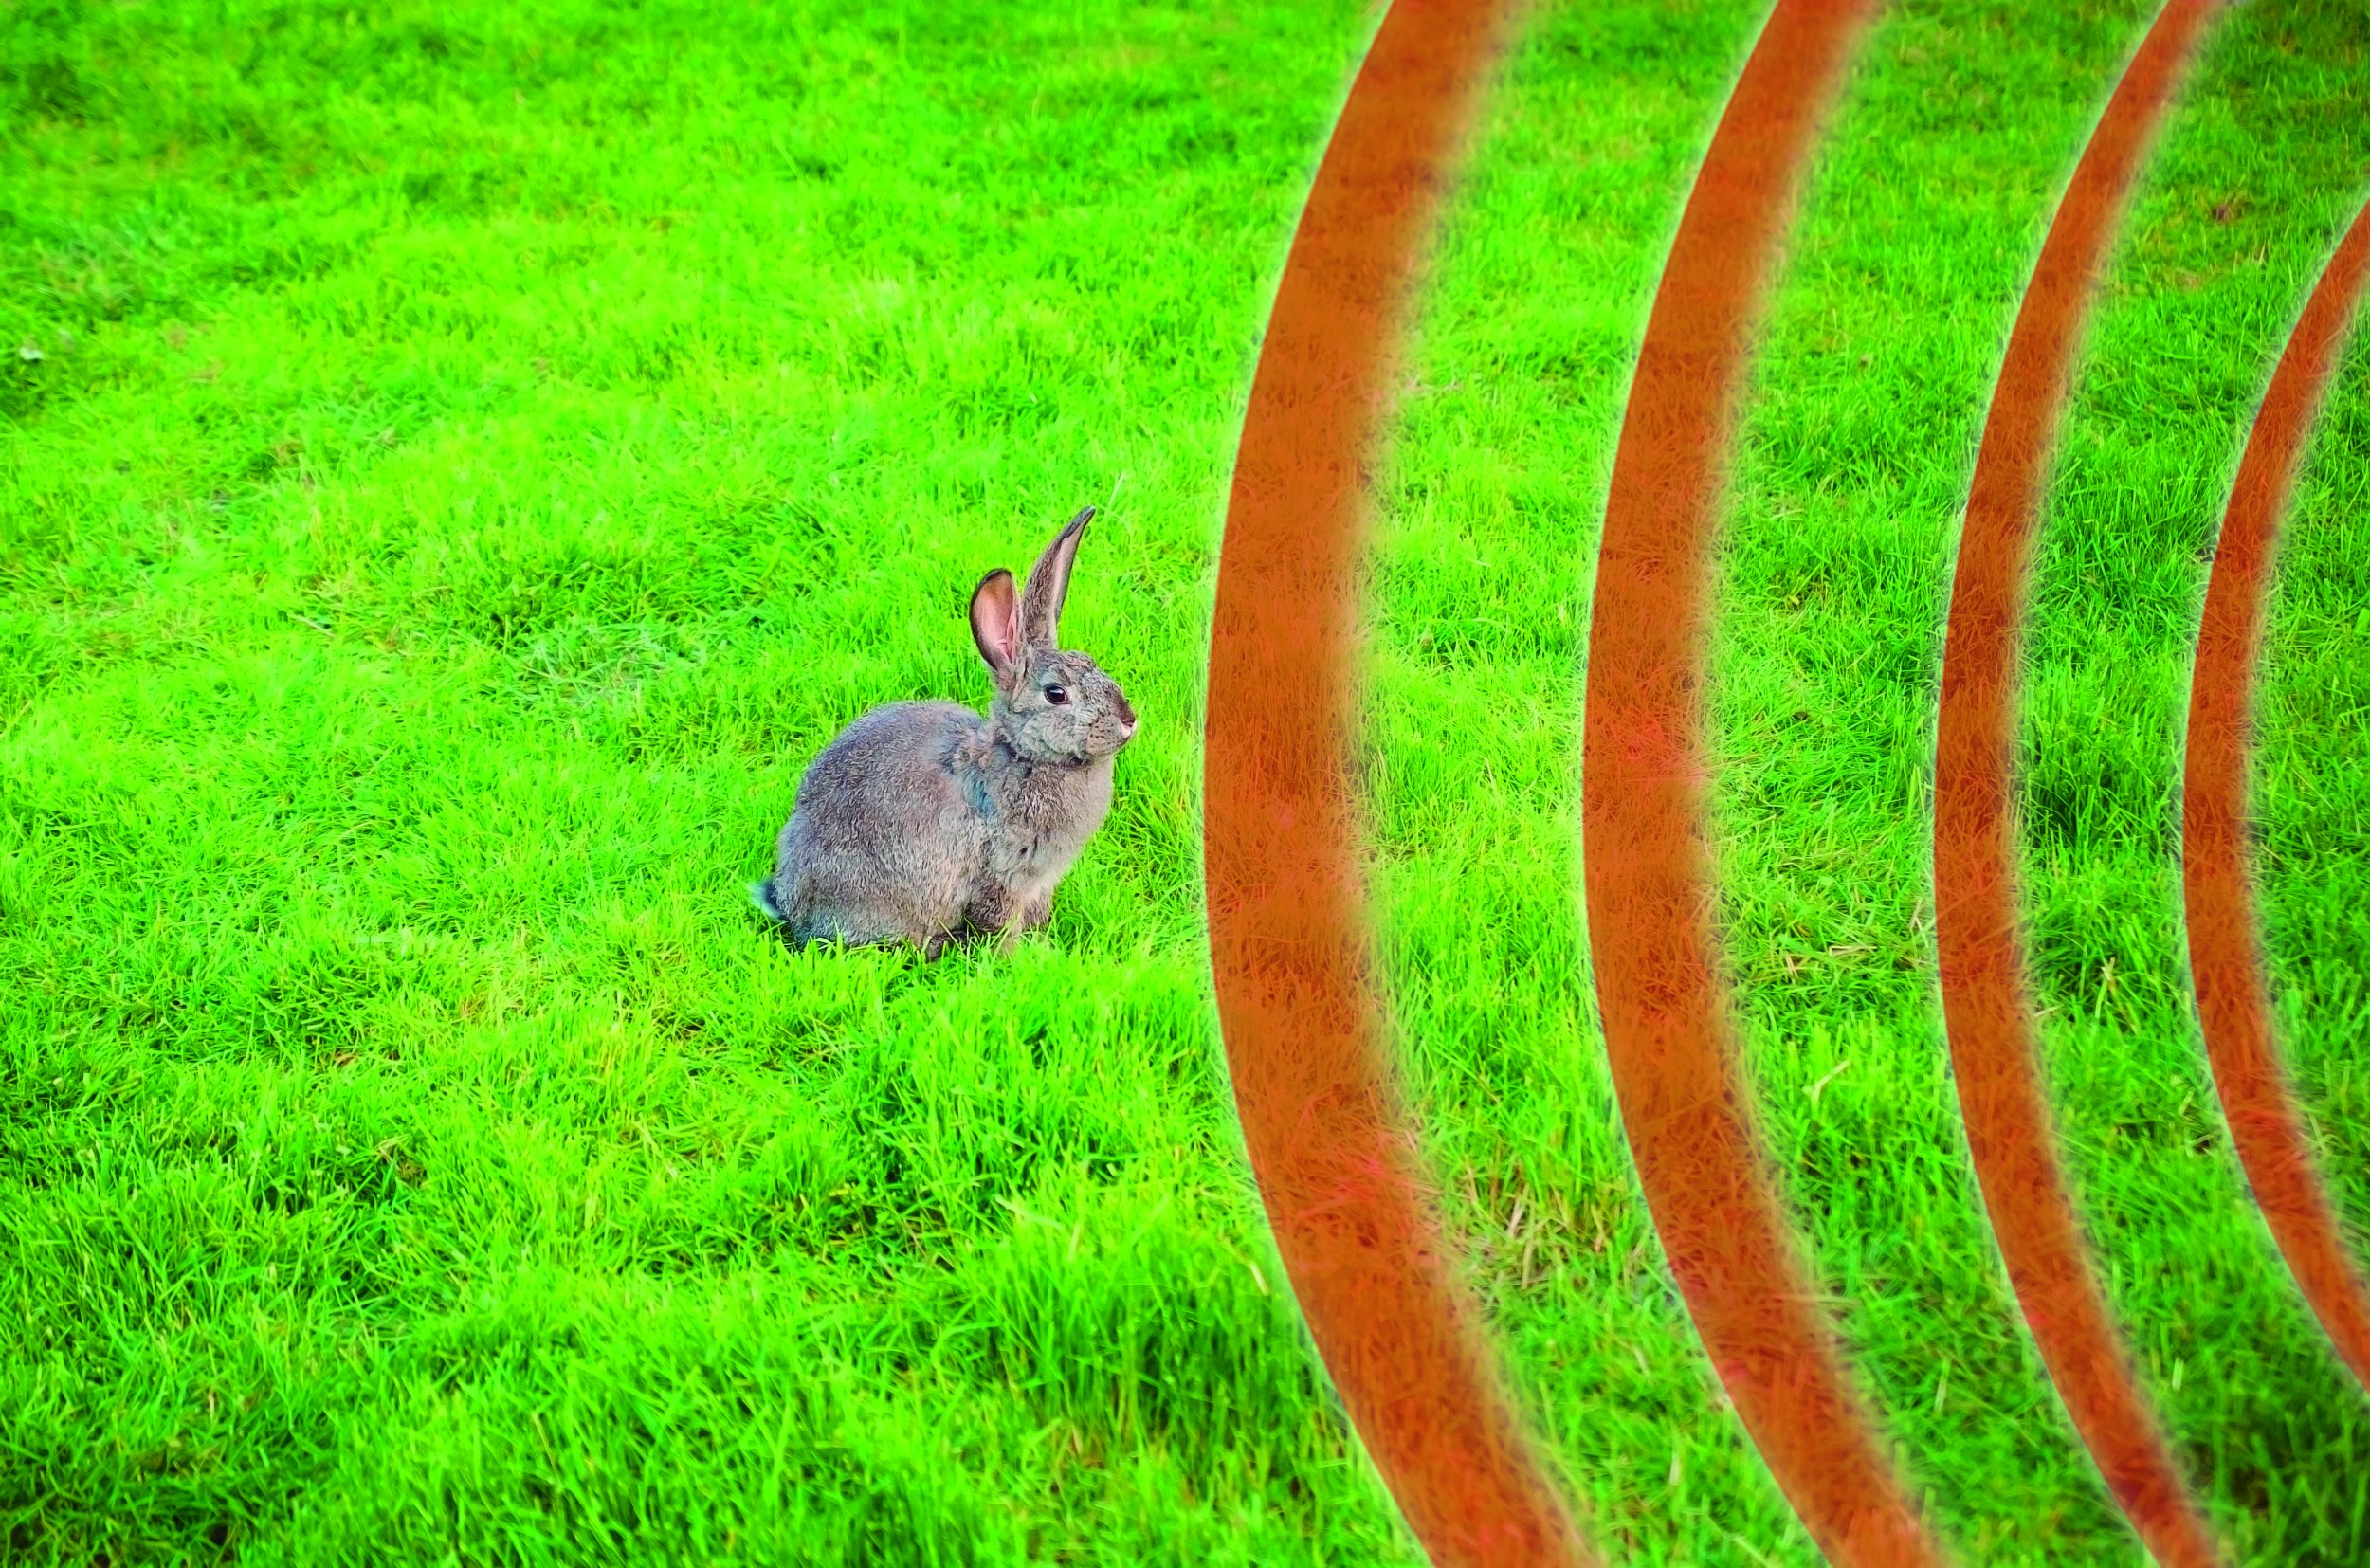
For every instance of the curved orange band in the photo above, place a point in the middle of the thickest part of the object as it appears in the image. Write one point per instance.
(1304, 1038)
(1648, 896)
(1985, 1002)
(2225, 959)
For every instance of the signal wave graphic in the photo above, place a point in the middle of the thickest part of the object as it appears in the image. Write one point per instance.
(1299, 1012)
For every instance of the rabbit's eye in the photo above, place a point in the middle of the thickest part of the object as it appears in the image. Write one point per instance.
(1056, 695)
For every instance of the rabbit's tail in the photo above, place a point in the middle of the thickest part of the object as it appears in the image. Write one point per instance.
(762, 894)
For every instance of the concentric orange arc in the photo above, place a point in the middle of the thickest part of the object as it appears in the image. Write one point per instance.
(1304, 1038)
(1648, 903)
(2225, 958)
(1984, 1001)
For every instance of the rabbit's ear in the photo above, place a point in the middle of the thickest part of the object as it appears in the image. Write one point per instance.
(1048, 583)
(995, 623)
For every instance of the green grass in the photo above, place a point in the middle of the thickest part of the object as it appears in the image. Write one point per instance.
(475, 459)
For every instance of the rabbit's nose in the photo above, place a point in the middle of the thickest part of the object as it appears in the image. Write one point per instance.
(1127, 714)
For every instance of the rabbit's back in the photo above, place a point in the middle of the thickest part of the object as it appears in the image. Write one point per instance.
(885, 839)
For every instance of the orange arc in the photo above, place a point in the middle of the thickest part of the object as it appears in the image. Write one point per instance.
(1303, 1034)
(1667, 1032)
(1984, 1001)
(2225, 957)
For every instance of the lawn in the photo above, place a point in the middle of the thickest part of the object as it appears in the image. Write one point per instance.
(460, 464)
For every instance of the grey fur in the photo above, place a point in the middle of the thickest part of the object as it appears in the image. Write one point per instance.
(924, 823)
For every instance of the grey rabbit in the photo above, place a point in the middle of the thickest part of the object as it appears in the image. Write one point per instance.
(923, 823)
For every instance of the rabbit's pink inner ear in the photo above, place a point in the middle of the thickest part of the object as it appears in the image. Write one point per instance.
(995, 622)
